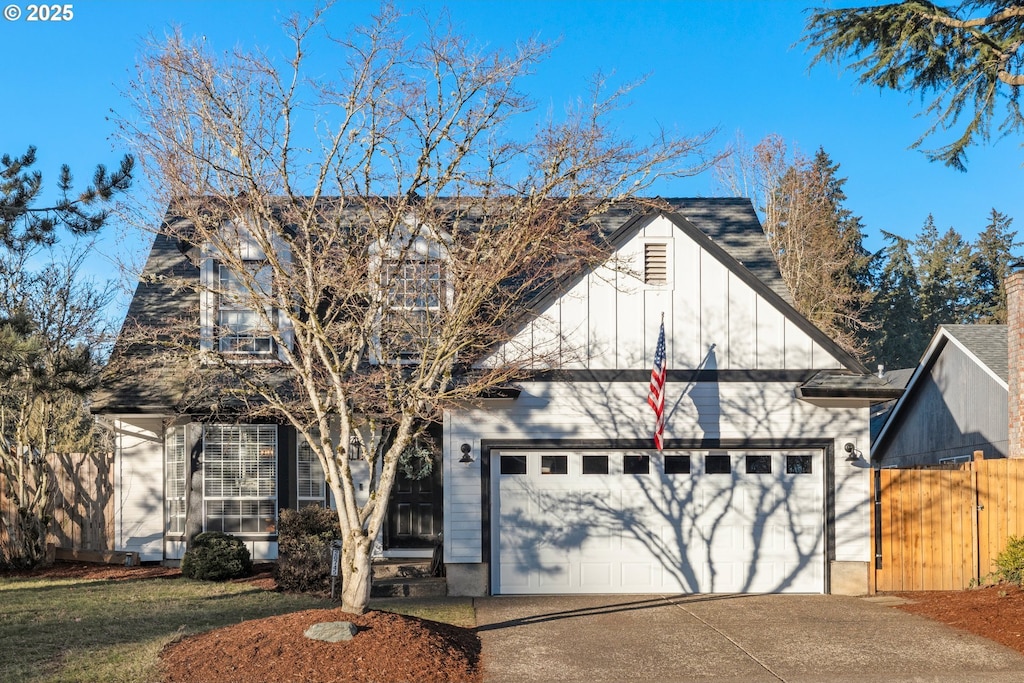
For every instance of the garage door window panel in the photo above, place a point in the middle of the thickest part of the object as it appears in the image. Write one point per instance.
(595, 464)
(717, 464)
(636, 464)
(554, 464)
(513, 464)
(798, 464)
(677, 464)
(759, 464)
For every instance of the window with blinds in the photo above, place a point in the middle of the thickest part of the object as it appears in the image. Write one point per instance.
(655, 263)
(309, 477)
(175, 461)
(240, 478)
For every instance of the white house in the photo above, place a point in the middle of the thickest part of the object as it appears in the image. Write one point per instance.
(556, 487)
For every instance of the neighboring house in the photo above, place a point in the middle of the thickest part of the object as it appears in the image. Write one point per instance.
(555, 487)
(954, 404)
(880, 411)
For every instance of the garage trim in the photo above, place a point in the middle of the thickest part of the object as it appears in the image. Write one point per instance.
(826, 445)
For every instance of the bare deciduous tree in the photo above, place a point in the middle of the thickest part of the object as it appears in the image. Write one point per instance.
(816, 241)
(378, 223)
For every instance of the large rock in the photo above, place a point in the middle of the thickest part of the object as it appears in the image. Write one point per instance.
(332, 631)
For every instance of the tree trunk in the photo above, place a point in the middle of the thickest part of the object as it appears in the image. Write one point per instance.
(193, 484)
(355, 573)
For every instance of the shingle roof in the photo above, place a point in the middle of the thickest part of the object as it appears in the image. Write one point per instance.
(734, 226)
(987, 343)
(136, 383)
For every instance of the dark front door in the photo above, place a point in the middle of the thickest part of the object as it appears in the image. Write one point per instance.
(414, 511)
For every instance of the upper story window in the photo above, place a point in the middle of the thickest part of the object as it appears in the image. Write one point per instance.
(239, 313)
(415, 291)
(243, 328)
(411, 274)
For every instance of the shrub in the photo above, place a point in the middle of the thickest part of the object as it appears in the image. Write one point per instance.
(304, 549)
(216, 556)
(1010, 562)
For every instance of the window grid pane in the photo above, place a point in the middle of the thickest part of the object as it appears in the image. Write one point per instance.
(240, 478)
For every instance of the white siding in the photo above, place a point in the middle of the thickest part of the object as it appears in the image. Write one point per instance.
(713, 318)
(139, 486)
(595, 410)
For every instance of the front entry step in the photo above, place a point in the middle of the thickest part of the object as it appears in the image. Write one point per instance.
(404, 568)
(406, 578)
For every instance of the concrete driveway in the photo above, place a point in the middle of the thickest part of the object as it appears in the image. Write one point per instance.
(727, 638)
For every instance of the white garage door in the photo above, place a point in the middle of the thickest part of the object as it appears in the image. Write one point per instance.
(644, 522)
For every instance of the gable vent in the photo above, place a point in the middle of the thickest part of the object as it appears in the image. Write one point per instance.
(656, 263)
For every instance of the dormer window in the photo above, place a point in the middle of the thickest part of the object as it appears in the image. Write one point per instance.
(409, 275)
(415, 290)
(241, 328)
(239, 313)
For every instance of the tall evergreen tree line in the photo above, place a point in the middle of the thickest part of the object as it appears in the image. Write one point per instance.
(937, 278)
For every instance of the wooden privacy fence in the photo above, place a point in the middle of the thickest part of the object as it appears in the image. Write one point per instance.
(941, 529)
(83, 506)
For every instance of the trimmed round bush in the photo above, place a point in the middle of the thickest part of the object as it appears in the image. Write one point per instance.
(1010, 562)
(216, 556)
(304, 549)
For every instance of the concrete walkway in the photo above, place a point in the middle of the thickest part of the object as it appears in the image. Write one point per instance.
(722, 638)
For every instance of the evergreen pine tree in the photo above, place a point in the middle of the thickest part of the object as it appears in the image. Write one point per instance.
(993, 252)
(900, 338)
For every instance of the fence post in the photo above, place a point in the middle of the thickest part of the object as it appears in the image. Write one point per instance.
(975, 522)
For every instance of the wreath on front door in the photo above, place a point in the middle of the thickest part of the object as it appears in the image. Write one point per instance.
(416, 461)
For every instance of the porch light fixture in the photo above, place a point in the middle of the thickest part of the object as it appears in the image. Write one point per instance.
(851, 452)
(466, 457)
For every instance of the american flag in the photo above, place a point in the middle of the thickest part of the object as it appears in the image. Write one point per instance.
(656, 395)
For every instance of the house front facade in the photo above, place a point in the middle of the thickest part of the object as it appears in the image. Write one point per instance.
(762, 484)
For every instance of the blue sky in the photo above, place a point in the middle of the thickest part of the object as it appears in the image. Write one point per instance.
(737, 66)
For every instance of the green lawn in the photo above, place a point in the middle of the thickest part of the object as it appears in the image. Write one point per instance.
(82, 630)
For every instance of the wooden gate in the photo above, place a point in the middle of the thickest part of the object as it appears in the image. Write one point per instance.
(941, 529)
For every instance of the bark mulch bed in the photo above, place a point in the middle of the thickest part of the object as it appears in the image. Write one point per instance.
(995, 612)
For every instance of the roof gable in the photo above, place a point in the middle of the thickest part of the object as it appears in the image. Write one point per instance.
(984, 345)
(737, 282)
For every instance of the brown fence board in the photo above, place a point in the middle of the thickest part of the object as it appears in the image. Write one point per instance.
(942, 528)
(83, 515)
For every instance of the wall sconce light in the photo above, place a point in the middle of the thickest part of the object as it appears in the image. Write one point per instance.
(851, 452)
(466, 457)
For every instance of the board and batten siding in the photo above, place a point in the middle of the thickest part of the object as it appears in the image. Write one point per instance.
(139, 486)
(957, 408)
(619, 410)
(713, 318)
